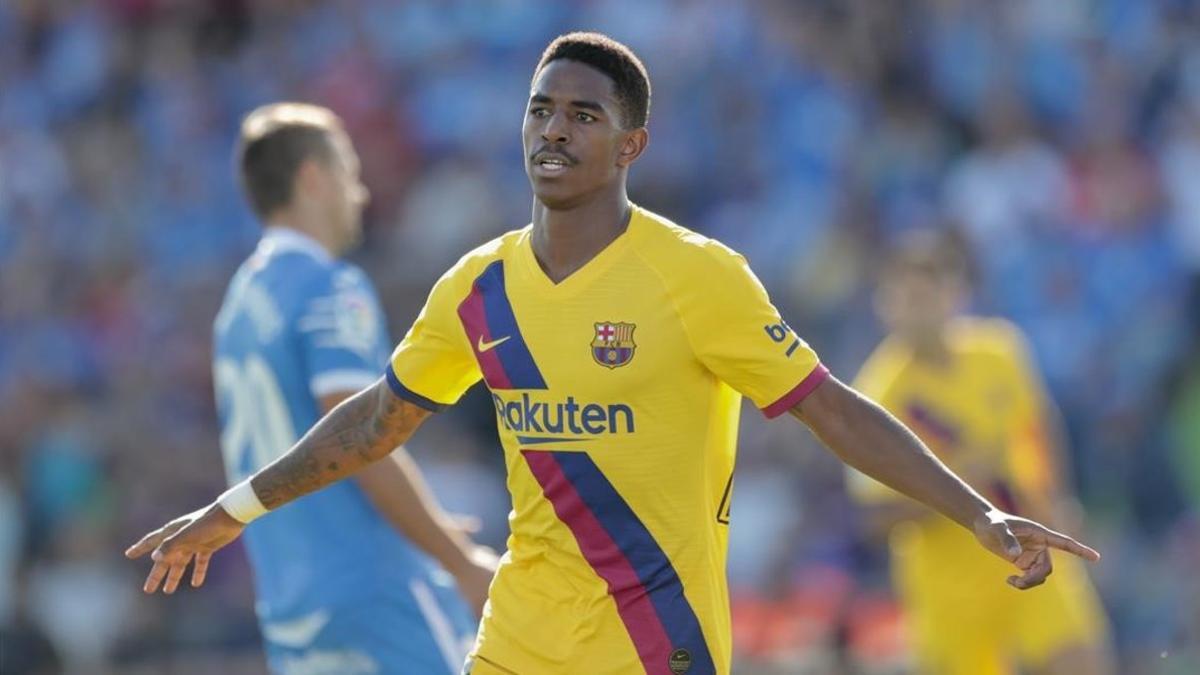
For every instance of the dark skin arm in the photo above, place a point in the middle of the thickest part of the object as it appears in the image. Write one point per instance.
(1052, 505)
(868, 438)
(362, 429)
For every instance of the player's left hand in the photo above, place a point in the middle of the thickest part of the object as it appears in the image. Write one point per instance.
(195, 536)
(1027, 545)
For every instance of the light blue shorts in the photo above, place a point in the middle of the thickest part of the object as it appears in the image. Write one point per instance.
(428, 632)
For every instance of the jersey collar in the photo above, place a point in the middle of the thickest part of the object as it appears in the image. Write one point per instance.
(280, 239)
(583, 277)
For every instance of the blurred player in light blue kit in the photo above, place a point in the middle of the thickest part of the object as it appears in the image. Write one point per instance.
(348, 578)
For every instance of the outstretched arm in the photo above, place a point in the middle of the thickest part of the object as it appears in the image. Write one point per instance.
(869, 439)
(363, 428)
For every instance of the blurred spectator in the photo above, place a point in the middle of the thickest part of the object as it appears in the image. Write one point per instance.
(1009, 183)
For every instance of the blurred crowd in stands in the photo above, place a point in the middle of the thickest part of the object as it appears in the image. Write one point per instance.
(1060, 139)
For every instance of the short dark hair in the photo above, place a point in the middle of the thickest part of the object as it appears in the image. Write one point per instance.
(275, 140)
(615, 60)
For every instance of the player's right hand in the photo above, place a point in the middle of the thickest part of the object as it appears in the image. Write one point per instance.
(196, 536)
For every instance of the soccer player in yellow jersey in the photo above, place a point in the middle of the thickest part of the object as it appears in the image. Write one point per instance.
(968, 388)
(617, 347)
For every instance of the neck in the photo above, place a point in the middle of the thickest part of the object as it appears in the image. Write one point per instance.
(564, 240)
(307, 226)
(932, 349)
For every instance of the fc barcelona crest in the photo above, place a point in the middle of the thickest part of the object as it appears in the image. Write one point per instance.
(613, 345)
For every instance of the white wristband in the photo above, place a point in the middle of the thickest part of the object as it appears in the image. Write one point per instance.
(241, 503)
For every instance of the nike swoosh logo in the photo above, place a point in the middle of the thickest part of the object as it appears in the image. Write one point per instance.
(489, 346)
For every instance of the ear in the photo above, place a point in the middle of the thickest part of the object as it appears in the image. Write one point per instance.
(633, 146)
(311, 178)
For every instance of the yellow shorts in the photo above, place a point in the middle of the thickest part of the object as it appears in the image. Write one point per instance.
(965, 620)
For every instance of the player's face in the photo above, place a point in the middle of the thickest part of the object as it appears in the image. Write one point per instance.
(917, 304)
(572, 134)
(346, 193)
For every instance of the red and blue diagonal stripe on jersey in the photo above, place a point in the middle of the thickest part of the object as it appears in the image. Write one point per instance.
(487, 316)
(615, 542)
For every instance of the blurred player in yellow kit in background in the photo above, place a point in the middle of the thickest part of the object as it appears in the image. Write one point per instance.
(969, 388)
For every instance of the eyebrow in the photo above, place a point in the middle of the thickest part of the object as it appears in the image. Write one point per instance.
(586, 105)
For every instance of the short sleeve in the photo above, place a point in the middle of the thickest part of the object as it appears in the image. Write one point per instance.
(341, 332)
(741, 338)
(1030, 449)
(433, 366)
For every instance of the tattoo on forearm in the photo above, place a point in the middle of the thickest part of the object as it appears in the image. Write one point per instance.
(362, 429)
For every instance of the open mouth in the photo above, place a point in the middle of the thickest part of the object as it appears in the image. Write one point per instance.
(551, 163)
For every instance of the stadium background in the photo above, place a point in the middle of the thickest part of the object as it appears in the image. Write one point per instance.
(1060, 138)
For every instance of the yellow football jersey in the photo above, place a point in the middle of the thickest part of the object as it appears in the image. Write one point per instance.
(981, 413)
(617, 394)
